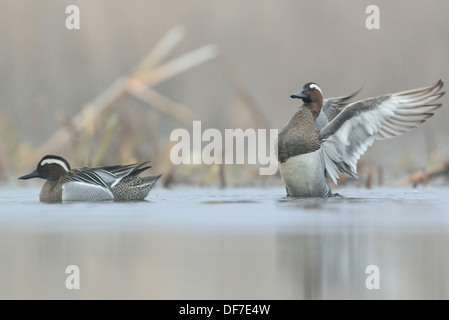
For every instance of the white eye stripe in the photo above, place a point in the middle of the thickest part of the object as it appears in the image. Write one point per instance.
(55, 161)
(315, 86)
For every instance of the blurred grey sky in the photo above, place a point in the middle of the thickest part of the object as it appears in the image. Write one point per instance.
(274, 45)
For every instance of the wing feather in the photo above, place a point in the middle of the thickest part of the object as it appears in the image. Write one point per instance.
(333, 106)
(106, 177)
(347, 137)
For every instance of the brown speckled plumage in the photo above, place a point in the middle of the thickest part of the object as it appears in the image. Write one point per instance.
(298, 136)
(51, 191)
(134, 188)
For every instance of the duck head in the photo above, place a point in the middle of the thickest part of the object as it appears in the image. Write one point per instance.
(49, 168)
(312, 96)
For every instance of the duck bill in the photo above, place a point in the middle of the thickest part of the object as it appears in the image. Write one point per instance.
(33, 174)
(299, 95)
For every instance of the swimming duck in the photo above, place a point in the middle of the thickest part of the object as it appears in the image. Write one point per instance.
(331, 135)
(118, 182)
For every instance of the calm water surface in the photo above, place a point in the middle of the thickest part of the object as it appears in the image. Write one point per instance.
(192, 243)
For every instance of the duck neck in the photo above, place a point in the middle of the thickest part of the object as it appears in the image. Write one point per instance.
(51, 191)
(314, 107)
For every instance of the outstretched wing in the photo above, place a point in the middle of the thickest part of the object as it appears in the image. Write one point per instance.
(355, 128)
(331, 108)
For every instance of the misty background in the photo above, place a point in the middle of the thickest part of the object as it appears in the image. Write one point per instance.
(271, 48)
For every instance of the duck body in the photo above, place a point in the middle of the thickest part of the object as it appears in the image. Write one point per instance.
(304, 175)
(301, 160)
(91, 184)
(328, 137)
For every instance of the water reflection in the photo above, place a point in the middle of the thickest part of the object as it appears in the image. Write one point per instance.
(231, 244)
(325, 253)
(333, 265)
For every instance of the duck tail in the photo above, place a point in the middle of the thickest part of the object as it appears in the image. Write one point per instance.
(149, 181)
(139, 169)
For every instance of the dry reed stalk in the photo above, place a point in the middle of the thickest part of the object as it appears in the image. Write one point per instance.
(136, 83)
(424, 176)
(369, 178)
(163, 104)
(111, 126)
(177, 65)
